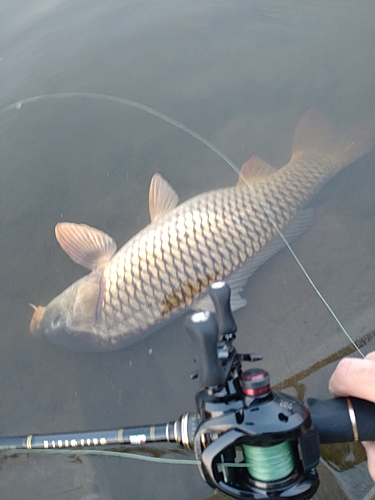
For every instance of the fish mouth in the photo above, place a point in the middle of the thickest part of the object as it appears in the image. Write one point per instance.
(35, 320)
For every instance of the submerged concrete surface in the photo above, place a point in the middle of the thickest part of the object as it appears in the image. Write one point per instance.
(89, 160)
(330, 488)
(54, 390)
(41, 477)
(38, 476)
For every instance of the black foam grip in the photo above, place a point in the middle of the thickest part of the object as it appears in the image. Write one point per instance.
(203, 330)
(332, 419)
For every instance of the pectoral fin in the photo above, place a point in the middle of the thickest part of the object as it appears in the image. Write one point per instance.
(85, 245)
(162, 197)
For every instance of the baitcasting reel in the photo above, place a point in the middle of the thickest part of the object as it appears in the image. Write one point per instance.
(252, 442)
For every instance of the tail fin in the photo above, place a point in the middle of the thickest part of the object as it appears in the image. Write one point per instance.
(317, 135)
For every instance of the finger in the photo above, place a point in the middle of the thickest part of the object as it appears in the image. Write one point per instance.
(371, 355)
(370, 451)
(354, 377)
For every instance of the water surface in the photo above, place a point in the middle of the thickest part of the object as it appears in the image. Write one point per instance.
(239, 73)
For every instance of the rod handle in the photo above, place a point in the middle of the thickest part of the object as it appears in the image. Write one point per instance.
(341, 420)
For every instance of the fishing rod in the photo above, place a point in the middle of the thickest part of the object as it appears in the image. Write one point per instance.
(249, 441)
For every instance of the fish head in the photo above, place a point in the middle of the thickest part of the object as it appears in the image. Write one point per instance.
(71, 318)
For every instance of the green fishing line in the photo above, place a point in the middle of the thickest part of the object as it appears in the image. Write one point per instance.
(269, 463)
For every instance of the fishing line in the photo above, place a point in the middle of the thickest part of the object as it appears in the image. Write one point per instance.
(117, 454)
(18, 105)
(263, 463)
(120, 454)
(269, 463)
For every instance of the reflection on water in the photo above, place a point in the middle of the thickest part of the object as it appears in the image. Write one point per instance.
(241, 74)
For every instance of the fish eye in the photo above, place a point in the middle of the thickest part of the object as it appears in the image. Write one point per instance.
(56, 322)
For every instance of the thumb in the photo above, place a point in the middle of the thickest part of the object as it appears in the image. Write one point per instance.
(370, 451)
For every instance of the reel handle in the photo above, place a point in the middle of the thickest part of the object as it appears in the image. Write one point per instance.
(203, 330)
(220, 296)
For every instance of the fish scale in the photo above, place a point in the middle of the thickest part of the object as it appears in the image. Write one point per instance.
(209, 260)
(222, 234)
(207, 245)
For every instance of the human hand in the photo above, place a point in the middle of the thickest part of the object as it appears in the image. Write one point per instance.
(356, 377)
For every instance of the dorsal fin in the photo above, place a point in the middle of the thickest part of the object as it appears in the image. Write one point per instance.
(162, 197)
(85, 245)
(255, 170)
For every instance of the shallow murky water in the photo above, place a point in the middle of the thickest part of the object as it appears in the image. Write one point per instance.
(239, 73)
